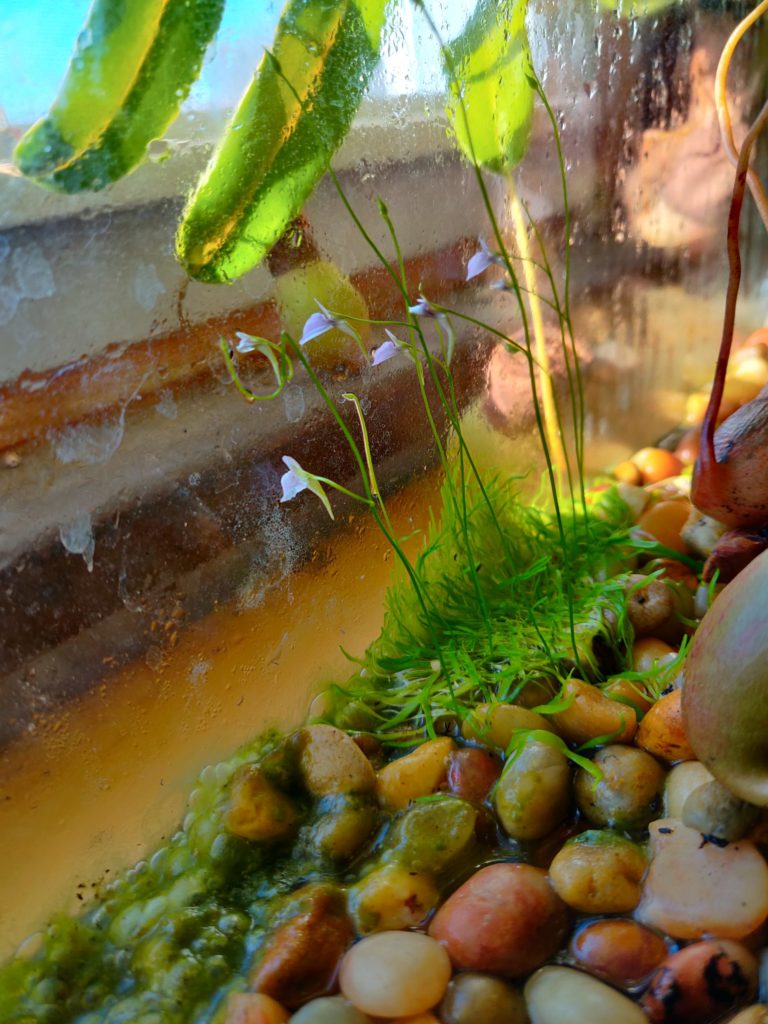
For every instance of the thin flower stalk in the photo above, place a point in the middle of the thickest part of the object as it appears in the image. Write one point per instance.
(282, 367)
(577, 397)
(547, 391)
(348, 396)
(436, 313)
(422, 597)
(538, 414)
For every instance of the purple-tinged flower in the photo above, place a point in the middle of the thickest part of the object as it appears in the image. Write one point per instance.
(297, 480)
(322, 322)
(389, 348)
(425, 309)
(482, 260)
(246, 343)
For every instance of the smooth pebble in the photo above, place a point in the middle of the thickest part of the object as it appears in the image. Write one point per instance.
(694, 888)
(329, 1010)
(560, 995)
(395, 974)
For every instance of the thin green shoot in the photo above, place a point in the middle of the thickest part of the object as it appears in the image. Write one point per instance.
(282, 369)
(521, 737)
(348, 396)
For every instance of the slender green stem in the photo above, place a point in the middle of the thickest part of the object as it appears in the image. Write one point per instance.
(488, 205)
(551, 415)
(344, 490)
(567, 357)
(462, 507)
(361, 228)
(350, 397)
(580, 405)
(251, 396)
(422, 596)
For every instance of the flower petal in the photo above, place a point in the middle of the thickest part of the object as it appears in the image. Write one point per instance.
(297, 480)
(246, 343)
(385, 351)
(423, 308)
(291, 485)
(479, 263)
(317, 324)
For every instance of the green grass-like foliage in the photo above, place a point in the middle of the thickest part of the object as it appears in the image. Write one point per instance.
(441, 660)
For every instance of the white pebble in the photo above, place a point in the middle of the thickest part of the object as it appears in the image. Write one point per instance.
(694, 888)
(680, 783)
(395, 974)
(329, 1010)
(560, 995)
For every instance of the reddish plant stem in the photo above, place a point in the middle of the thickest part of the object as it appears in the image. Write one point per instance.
(707, 468)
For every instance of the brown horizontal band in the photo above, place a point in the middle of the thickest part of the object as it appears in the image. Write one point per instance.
(37, 403)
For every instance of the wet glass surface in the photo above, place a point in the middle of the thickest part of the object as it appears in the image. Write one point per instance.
(157, 601)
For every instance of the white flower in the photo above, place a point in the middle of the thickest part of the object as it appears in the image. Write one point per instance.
(297, 480)
(246, 343)
(389, 348)
(482, 260)
(322, 322)
(425, 309)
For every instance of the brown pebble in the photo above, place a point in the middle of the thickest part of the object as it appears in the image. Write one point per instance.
(732, 553)
(472, 773)
(620, 951)
(302, 957)
(661, 732)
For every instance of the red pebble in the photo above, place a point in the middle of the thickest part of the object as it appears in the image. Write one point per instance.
(700, 983)
(505, 919)
(472, 773)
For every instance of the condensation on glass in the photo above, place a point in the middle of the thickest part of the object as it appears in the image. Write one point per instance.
(158, 604)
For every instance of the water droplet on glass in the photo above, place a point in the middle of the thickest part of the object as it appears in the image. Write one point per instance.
(9, 300)
(34, 276)
(147, 286)
(293, 403)
(91, 443)
(77, 538)
(159, 150)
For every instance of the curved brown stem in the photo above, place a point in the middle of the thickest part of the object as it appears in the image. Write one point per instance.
(708, 471)
(724, 114)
